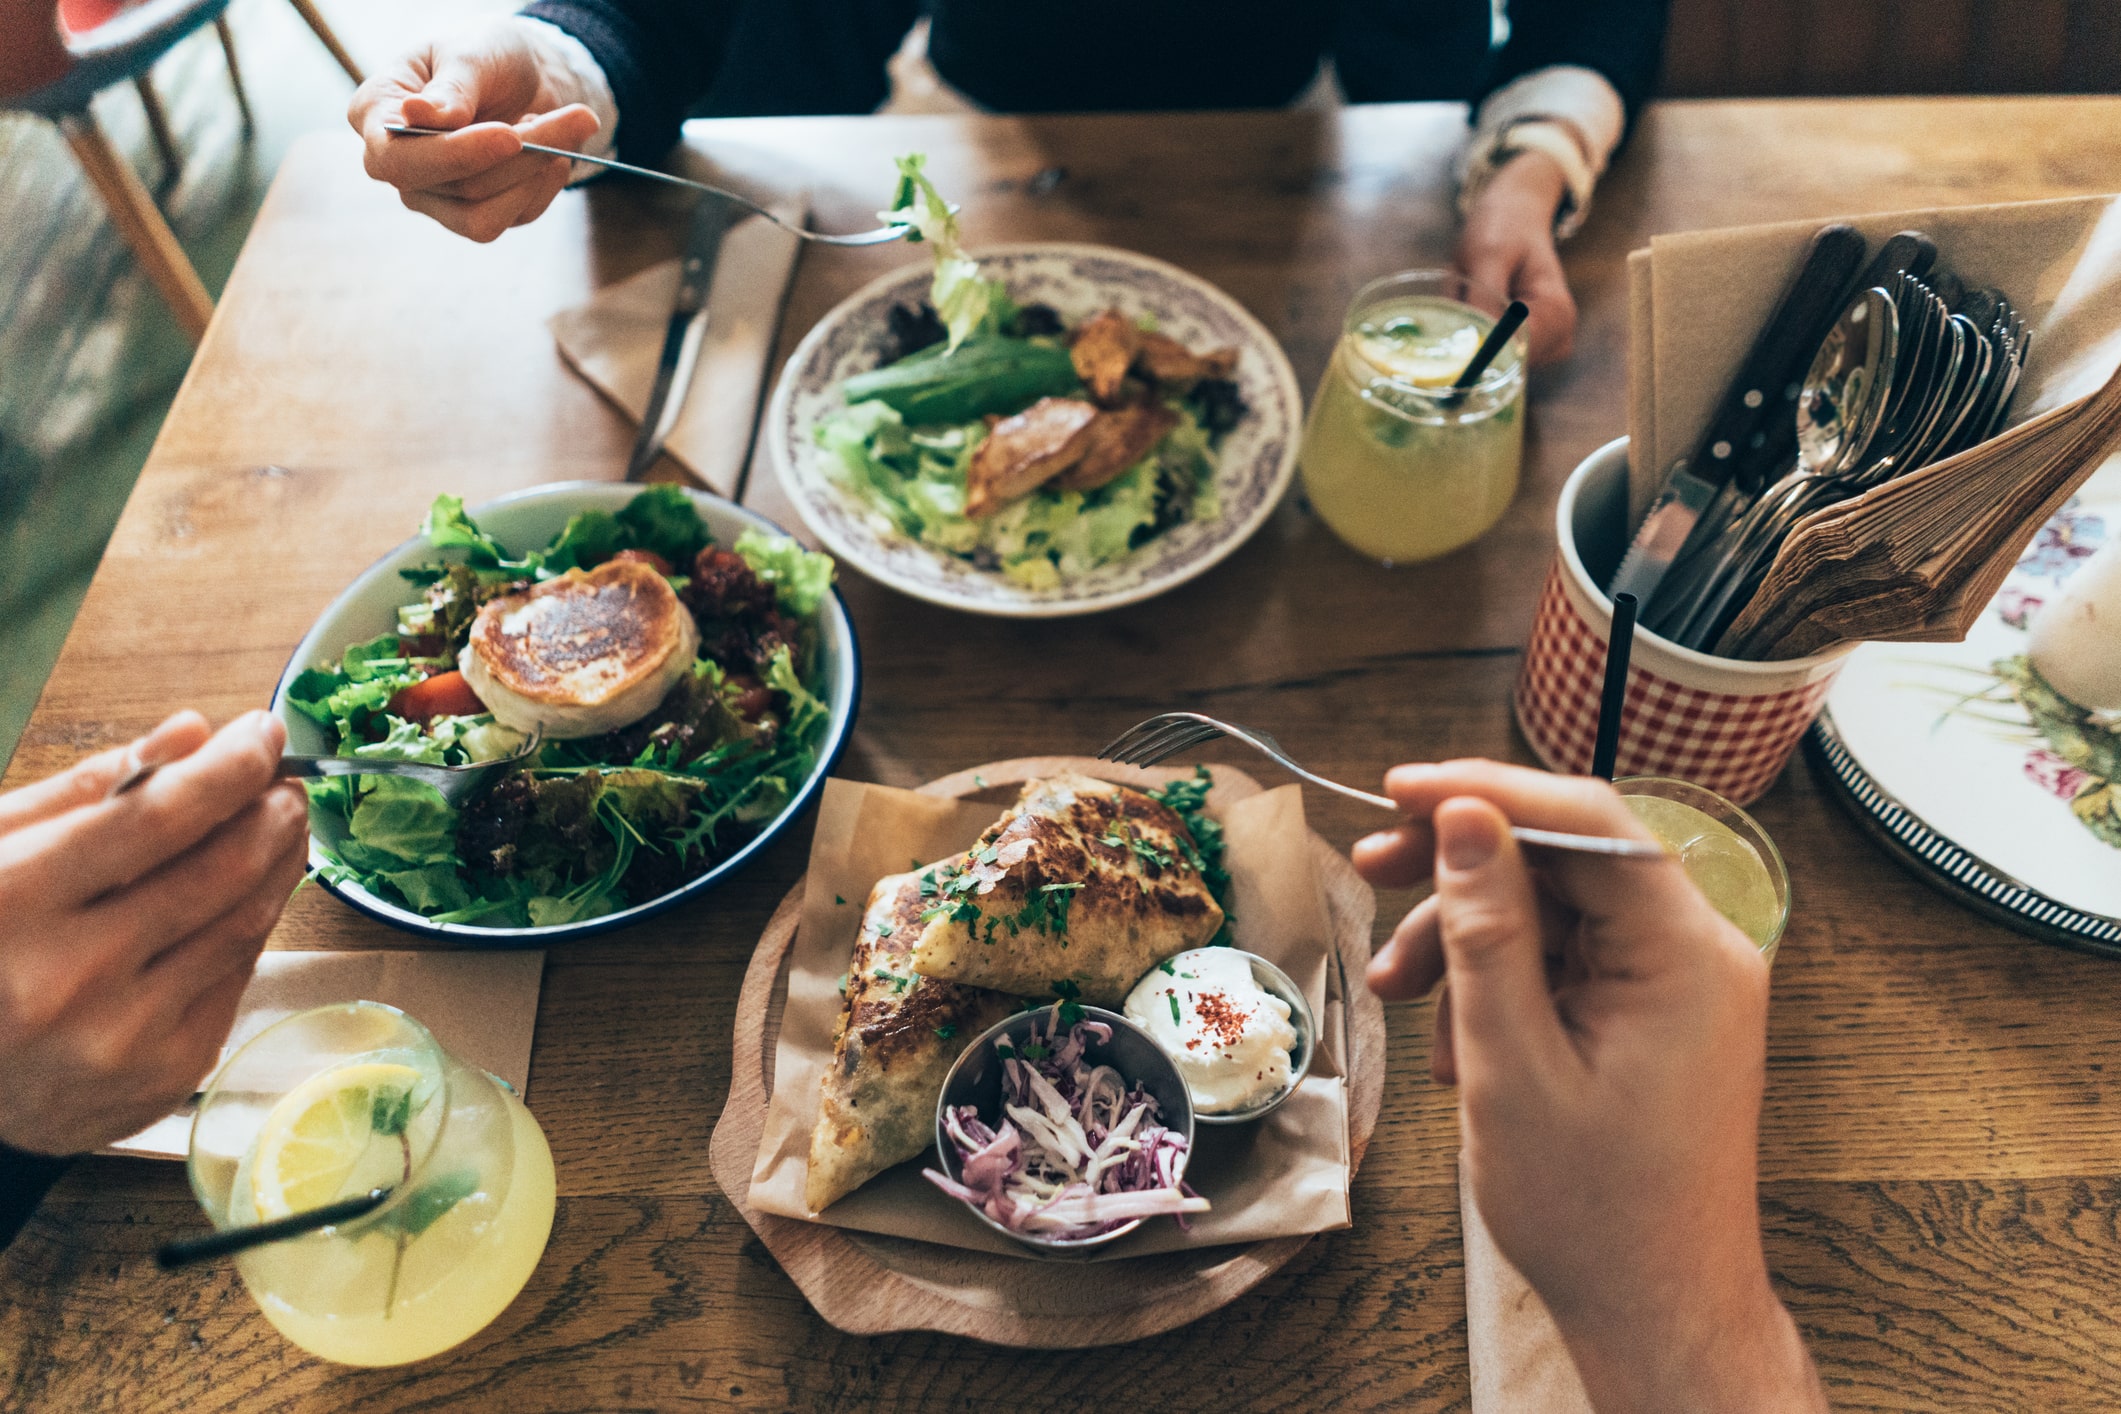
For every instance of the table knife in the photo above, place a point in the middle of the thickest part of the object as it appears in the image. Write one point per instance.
(1791, 334)
(682, 337)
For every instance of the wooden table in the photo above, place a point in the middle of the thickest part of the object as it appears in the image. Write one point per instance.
(1941, 1156)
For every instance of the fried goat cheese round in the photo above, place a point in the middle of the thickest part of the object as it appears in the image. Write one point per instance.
(581, 655)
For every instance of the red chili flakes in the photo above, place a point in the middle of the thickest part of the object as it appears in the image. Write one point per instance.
(1224, 1022)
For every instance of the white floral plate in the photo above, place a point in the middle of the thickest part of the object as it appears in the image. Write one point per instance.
(1960, 774)
(1257, 459)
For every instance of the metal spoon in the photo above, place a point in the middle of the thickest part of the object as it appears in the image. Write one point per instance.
(876, 237)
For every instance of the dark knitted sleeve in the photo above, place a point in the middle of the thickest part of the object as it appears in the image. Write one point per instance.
(24, 1179)
(1621, 39)
(660, 57)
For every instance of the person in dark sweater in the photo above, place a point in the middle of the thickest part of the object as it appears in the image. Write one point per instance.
(1553, 85)
(133, 922)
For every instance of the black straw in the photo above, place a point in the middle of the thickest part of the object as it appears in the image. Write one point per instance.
(173, 1255)
(1619, 644)
(1492, 345)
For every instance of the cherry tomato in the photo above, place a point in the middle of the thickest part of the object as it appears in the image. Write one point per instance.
(443, 695)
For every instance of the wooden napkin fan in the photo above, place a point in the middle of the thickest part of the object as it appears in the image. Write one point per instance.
(1918, 558)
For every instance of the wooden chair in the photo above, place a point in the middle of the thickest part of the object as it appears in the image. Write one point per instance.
(56, 55)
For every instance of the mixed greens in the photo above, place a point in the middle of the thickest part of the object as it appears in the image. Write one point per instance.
(597, 824)
(907, 439)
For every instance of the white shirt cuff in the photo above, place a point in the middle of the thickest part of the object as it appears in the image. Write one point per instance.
(1573, 114)
(574, 76)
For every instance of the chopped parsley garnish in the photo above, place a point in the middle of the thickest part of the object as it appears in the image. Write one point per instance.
(1168, 969)
(946, 1031)
(1172, 997)
(1035, 1051)
(1071, 1006)
(928, 887)
(838, 901)
(885, 930)
(1204, 851)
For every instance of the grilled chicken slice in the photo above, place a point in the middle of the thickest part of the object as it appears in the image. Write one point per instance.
(1024, 452)
(1171, 365)
(899, 1035)
(1103, 350)
(1082, 885)
(1118, 439)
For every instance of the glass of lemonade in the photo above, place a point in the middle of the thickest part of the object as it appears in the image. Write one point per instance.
(333, 1103)
(1399, 464)
(1723, 849)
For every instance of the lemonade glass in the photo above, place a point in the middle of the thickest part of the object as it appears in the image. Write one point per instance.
(1400, 465)
(1723, 850)
(333, 1103)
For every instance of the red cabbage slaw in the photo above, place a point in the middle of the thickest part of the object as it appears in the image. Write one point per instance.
(1077, 1152)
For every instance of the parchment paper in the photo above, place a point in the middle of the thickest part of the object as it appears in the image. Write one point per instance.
(1711, 292)
(1286, 1175)
(481, 1006)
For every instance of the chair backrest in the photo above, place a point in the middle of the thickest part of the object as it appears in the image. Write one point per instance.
(32, 54)
(43, 70)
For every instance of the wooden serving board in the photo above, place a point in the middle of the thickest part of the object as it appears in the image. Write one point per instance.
(867, 1284)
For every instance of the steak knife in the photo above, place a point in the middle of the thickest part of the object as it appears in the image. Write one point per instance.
(682, 338)
(1810, 303)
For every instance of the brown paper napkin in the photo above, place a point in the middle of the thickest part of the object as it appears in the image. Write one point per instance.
(1710, 292)
(1518, 1361)
(1286, 1175)
(481, 1006)
(616, 339)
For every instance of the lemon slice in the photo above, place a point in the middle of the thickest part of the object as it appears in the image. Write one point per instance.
(1427, 352)
(320, 1143)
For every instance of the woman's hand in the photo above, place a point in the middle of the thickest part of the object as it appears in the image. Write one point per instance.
(496, 85)
(1606, 1028)
(132, 924)
(1507, 244)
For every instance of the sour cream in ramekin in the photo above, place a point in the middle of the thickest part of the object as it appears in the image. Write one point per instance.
(1231, 1039)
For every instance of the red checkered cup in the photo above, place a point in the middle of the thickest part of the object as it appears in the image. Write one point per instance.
(1718, 722)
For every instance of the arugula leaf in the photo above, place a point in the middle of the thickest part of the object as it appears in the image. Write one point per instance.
(800, 578)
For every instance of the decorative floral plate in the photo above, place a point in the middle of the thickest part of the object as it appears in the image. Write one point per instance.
(1979, 774)
(1257, 458)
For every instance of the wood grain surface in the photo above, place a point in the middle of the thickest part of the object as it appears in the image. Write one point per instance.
(869, 1285)
(1941, 1145)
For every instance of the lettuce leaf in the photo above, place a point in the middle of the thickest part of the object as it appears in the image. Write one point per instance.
(965, 303)
(664, 521)
(800, 578)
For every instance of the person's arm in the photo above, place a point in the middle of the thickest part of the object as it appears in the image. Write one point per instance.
(1606, 1030)
(658, 57)
(1563, 91)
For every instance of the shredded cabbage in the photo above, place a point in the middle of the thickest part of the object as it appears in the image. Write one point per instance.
(1076, 1151)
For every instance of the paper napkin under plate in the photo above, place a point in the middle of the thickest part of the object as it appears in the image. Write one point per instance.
(481, 1006)
(616, 339)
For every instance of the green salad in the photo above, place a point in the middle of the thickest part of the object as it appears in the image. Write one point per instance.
(999, 434)
(590, 825)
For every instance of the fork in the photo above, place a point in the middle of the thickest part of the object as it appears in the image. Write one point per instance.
(1147, 743)
(876, 237)
(456, 784)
